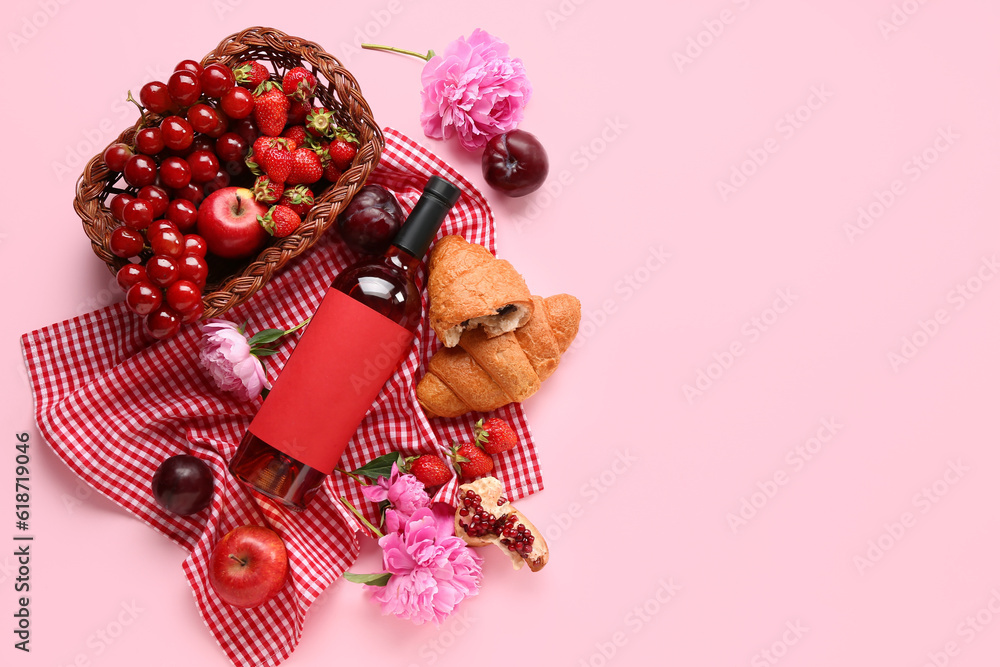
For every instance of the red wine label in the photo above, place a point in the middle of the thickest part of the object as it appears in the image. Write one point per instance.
(333, 376)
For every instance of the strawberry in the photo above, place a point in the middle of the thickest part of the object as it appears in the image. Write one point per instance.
(256, 155)
(495, 435)
(296, 133)
(471, 461)
(250, 74)
(297, 112)
(299, 83)
(342, 151)
(430, 470)
(277, 162)
(320, 122)
(306, 167)
(279, 221)
(300, 199)
(267, 191)
(270, 109)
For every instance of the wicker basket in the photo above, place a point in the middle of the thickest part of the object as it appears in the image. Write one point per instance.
(337, 90)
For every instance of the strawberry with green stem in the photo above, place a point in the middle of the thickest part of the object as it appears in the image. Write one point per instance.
(267, 191)
(250, 74)
(299, 84)
(471, 461)
(279, 221)
(430, 470)
(495, 435)
(299, 198)
(270, 109)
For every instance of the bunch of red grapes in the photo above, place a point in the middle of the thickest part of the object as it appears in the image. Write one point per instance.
(197, 148)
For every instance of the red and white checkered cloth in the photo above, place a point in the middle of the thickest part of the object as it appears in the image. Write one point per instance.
(113, 405)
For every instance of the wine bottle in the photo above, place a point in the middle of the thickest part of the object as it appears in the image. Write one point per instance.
(354, 343)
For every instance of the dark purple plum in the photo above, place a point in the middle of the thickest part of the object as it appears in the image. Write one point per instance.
(515, 163)
(183, 484)
(370, 221)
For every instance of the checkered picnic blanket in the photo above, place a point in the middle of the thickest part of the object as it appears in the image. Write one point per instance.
(113, 404)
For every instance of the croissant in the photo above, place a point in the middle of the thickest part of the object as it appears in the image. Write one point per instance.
(483, 373)
(469, 288)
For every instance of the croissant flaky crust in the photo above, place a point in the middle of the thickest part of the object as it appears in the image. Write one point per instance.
(483, 373)
(469, 288)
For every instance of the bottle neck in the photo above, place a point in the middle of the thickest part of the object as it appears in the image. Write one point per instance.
(403, 259)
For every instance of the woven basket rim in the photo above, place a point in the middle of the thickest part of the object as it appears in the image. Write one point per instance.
(338, 90)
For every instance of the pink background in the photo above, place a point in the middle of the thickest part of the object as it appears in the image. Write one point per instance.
(879, 548)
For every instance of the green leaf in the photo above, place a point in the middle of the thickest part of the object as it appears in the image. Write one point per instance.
(380, 467)
(266, 336)
(374, 579)
(262, 351)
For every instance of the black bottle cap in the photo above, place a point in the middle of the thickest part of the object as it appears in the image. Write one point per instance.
(425, 219)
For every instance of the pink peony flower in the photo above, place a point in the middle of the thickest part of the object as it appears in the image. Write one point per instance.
(432, 570)
(404, 492)
(226, 355)
(474, 89)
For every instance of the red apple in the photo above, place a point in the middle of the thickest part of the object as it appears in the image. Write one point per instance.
(248, 566)
(227, 220)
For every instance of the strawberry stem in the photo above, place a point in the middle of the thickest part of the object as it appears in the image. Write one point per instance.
(379, 47)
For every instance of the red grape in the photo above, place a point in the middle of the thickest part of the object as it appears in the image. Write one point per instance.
(246, 128)
(154, 96)
(237, 103)
(140, 171)
(163, 323)
(177, 133)
(166, 242)
(183, 296)
(204, 166)
(219, 129)
(125, 242)
(116, 155)
(160, 225)
(219, 181)
(184, 87)
(149, 140)
(162, 271)
(194, 268)
(130, 274)
(201, 143)
(118, 203)
(156, 196)
(182, 213)
(143, 297)
(194, 314)
(231, 147)
(137, 214)
(192, 192)
(175, 172)
(203, 118)
(194, 245)
(192, 66)
(216, 80)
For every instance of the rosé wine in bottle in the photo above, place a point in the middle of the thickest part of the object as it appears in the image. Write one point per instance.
(354, 343)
